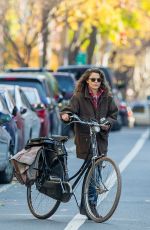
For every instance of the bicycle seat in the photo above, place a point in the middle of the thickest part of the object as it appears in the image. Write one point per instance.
(60, 138)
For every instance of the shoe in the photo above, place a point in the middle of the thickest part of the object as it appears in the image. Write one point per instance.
(94, 211)
(82, 211)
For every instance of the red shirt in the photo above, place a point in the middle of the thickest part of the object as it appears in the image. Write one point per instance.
(95, 97)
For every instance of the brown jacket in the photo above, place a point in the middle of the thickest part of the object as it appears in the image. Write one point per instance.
(81, 104)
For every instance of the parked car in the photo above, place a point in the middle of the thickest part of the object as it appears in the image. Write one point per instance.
(131, 117)
(31, 120)
(78, 70)
(141, 111)
(66, 83)
(126, 114)
(6, 169)
(10, 126)
(50, 87)
(16, 115)
(34, 99)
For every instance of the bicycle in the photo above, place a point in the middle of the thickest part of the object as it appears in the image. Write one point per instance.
(49, 190)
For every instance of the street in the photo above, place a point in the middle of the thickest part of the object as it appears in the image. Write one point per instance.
(129, 148)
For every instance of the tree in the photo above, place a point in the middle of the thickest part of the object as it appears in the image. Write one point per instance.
(26, 31)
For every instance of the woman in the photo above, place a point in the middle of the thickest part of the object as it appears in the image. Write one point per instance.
(92, 99)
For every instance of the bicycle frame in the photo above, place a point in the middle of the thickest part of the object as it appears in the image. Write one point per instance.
(93, 150)
(95, 184)
(87, 162)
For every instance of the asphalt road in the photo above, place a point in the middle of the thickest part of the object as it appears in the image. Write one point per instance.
(130, 148)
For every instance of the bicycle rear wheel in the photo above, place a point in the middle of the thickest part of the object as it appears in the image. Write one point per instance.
(40, 205)
(102, 189)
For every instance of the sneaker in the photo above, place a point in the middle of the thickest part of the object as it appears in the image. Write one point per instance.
(82, 211)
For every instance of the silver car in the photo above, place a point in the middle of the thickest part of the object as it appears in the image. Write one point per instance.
(31, 120)
(6, 169)
(141, 111)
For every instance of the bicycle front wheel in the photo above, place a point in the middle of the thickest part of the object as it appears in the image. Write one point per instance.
(40, 205)
(102, 189)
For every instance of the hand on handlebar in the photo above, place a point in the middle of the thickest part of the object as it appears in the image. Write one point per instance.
(65, 117)
(73, 118)
(105, 127)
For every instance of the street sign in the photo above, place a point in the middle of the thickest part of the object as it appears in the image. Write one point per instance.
(81, 58)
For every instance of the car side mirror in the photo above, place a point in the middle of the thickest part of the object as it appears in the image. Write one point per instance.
(15, 110)
(4, 118)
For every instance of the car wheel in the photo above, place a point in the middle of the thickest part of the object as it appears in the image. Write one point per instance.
(6, 175)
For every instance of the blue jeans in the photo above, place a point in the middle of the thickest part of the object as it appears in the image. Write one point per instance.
(95, 180)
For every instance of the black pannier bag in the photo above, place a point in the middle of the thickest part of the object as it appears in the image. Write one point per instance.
(55, 185)
(61, 191)
(54, 153)
(26, 161)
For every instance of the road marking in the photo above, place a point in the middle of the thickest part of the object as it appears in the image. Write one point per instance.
(5, 187)
(78, 219)
(134, 151)
(148, 201)
(16, 214)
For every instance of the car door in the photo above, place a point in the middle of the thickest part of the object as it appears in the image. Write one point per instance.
(10, 126)
(12, 108)
(32, 122)
(4, 147)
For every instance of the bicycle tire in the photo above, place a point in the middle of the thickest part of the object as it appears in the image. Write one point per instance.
(40, 205)
(105, 176)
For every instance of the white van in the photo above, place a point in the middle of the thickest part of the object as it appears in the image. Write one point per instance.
(141, 111)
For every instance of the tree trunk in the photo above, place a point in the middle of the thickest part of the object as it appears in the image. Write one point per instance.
(91, 47)
(45, 33)
(72, 55)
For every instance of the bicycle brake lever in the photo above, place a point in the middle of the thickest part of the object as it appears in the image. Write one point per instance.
(74, 116)
(104, 121)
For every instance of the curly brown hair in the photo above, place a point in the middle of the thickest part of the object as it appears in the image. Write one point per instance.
(81, 83)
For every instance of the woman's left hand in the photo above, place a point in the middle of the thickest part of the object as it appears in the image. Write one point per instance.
(105, 127)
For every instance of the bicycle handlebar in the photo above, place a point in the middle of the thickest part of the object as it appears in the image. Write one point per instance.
(90, 123)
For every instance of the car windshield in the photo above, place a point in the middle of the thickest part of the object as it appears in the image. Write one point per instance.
(138, 109)
(32, 95)
(65, 83)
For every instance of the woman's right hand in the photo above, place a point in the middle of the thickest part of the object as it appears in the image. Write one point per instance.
(65, 117)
